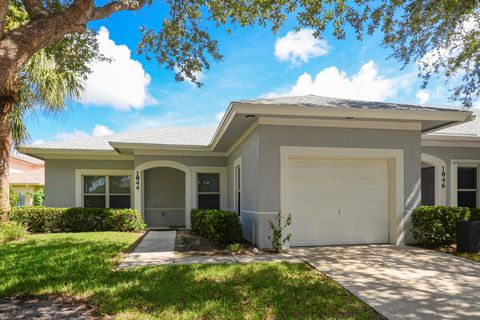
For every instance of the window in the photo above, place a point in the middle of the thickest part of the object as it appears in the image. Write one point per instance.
(238, 189)
(467, 187)
(208, 190)
(106, 191)
(21, 200)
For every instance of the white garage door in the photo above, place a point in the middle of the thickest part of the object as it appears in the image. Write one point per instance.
(337, 201)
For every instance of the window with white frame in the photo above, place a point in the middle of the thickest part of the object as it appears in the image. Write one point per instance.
(208, 190)
(467, 187)
(106, 191)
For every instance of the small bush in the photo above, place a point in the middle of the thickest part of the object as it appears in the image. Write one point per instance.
(235, 248)
(11, 231)
(217, 225)
(435, 226)
(38, 197)
(277, 237)
(46, 220)
(14, 197)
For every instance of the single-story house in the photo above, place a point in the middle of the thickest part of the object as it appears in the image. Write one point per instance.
(349, 172)
(27, 175)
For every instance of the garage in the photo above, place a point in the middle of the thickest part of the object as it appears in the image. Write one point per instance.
(336, 201)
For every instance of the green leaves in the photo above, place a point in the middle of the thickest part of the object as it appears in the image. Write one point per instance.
(435, 226)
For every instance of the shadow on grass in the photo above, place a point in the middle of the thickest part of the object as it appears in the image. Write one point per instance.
(81, 264)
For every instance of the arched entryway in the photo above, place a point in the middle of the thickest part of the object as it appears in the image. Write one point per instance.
(433, 180)
(163, 193)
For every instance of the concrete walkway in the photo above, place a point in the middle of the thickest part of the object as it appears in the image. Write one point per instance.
(158, 248)
(402, 282)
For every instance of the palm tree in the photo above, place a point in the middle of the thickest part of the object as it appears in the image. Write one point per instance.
(50, 79)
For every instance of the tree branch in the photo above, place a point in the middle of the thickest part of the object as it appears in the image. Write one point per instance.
(3, 15)
(115, 6)
(34, 8)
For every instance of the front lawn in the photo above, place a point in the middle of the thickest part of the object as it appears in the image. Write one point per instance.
(82, 265)
(471, 256)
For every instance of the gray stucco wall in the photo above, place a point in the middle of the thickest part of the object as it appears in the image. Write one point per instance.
(265, 186)
(449, 153)
(60, 178)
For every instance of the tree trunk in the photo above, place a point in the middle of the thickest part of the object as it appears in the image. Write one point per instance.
(5, 149)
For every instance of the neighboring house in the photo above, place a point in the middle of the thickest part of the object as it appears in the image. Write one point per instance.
(27, 175)
(348, 171)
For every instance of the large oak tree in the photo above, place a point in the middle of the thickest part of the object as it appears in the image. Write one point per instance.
(441, 36)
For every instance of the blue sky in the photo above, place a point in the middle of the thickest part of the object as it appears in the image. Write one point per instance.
(131, 92)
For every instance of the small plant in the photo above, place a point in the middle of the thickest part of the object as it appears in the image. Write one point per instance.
(277, 230)
(11, 231)
(38, 197)
(235, 248)
(14, 198)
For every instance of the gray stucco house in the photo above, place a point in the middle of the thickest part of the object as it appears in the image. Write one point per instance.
(349, 172)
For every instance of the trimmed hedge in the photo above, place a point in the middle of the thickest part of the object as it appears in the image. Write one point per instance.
(217, 225)
(435, 226)
(46, 220)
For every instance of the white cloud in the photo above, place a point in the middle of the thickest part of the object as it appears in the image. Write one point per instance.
(423, 96)
(219, 116)
(366, 84)
(300, 46)
(452, 48)
(101, 130)
(97, 131)
(121, 83)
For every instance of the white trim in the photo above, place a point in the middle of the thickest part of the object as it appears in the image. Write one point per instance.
(456, 144)
(260, 212)
(416, 126)
(222, 171)
(299, 111)
(82, 156)
(440, 166)
(139, 194)
(237, 163)
(79, 173)
(396, 181)
(454, 164)
(161, 152)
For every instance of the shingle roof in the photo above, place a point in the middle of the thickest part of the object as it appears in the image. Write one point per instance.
(468, 129)
(318, 101)
(182, 136)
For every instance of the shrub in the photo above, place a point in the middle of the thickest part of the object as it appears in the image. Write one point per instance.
(38, 197)
(217, 225)
(235, 248)
(45, 219)
(435, 226)
(14, 197)
(11, 231)
(475, 214)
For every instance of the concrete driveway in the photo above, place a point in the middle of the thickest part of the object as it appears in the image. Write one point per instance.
(402, 282)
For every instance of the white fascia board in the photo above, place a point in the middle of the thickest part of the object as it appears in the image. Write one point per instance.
(156, 146)
(299, 111)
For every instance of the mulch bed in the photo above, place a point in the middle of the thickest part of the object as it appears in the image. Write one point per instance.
(188, 244)
(45, 307)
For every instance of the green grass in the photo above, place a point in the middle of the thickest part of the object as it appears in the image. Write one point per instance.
(82, 265)
(471, 256)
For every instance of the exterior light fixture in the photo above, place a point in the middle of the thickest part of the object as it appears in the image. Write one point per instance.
(250, 116)
(349, 118)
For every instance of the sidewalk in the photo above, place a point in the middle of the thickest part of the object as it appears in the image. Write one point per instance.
(158, 248)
